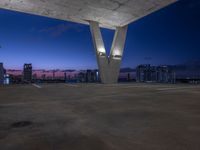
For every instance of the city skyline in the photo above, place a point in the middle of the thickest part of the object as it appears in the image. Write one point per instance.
(190, 69)
(169, 36)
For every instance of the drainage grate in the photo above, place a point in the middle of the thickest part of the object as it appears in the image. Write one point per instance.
(21, 124)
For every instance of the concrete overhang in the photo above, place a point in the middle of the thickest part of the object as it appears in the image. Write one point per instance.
(109, 13)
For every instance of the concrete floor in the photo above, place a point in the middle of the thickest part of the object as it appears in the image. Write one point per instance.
(100, 117)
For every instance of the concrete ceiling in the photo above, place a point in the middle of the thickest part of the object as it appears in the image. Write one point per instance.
(110, 13)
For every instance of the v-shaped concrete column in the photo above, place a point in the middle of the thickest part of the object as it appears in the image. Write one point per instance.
(109, 66)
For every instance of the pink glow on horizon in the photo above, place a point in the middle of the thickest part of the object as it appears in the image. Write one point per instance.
(47, 73)
(58, 73)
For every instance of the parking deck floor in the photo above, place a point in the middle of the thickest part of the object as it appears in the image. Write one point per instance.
(100, 117)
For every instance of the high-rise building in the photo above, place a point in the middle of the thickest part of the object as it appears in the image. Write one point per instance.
(1, 73)
(144, 73)
(27, 73)
(88, 76)
(92, 76)
(161, 74)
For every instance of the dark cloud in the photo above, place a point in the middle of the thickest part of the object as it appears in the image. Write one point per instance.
(58, 30)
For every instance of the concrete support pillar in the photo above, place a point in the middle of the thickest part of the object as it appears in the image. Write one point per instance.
(109, 66)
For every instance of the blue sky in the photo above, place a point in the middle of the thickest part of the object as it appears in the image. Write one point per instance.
(168, 36)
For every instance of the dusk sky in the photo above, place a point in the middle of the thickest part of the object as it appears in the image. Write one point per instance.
(168, 36)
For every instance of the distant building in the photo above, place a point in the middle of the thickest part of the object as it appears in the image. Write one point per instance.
(65, 76)
(144, 73)
(160, 74)
(54, 74)
(43, 76)
(92, 76)
(34, 77)
(6, 79)
(27, 73)
(15, 79)
(2, 73)
(81, 77)
(128, 77)
(88, 76)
